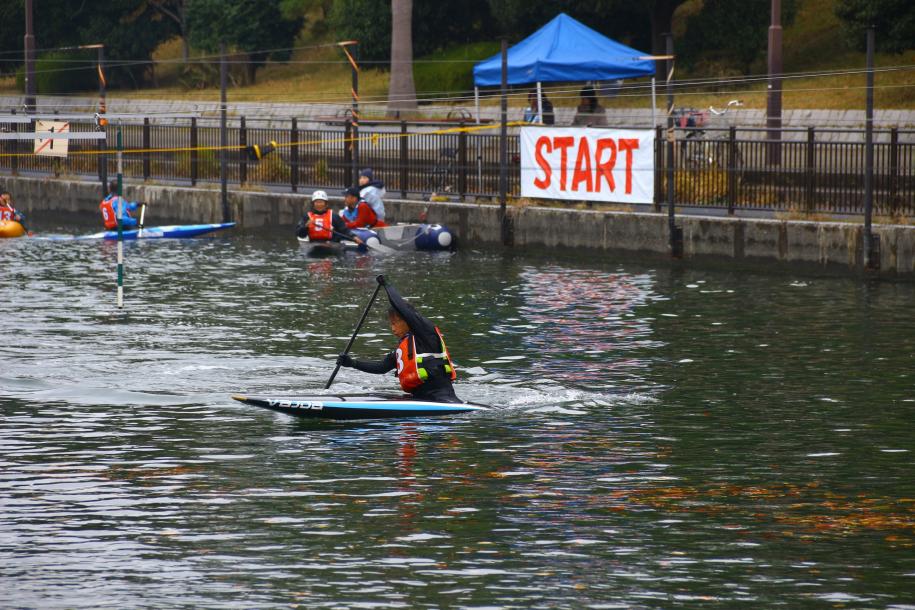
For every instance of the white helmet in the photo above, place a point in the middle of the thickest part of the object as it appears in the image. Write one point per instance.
(318, 195)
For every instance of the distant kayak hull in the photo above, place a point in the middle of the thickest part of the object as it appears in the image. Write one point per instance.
(358, 407)
(11, 228)
(163, 232)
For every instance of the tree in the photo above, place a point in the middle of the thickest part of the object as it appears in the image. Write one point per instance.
(176, 11)
(662, 16)
(257, 28)
(893, 20)
(638, 24)
(436, 25)
(724, 39)
(12, 16)
(129, 29)
(292, 9)
(369, 22)
(401, 91)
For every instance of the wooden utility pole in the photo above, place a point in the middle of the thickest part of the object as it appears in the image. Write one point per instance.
(871, 241)
(30, 85)
(774, 95)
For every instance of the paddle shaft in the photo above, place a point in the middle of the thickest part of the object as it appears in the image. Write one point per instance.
(353, 338)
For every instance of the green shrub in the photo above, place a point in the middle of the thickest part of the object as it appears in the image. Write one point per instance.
(702, 186)
(57, 73)
(451, 70)
(321, 173)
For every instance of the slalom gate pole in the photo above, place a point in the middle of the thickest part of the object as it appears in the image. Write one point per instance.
(120, 215)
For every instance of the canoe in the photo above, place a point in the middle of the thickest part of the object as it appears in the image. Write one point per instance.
(11, 228)
(351, 406)
(163, 232)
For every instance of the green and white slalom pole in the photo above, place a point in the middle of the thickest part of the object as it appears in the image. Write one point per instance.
(120, 215)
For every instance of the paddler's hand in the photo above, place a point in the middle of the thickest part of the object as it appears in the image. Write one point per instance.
(357, 240)
(345, 360)
(380, 279)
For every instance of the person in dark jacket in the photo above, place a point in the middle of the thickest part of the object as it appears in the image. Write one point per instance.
(422, 362)
(589, 112)
(531, 115)
(321, 224)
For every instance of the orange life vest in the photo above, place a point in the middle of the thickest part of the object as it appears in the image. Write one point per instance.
(410, 370)
(321, 227)
(109, 213)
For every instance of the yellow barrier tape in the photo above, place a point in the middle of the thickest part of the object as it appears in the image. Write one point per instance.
(373, 138)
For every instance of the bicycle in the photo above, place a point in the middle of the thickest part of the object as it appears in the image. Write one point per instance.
(443, 176)
(700, 152)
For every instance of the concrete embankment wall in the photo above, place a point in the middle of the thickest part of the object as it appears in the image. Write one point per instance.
(836, 245)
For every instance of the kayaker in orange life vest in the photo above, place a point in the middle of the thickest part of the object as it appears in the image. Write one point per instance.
(109, 209)
(321, 224)
(7, 211)
(422, 362)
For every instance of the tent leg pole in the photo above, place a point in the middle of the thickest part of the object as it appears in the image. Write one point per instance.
(540, 102)
(476, 101)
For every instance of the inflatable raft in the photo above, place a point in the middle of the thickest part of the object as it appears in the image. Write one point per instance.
(405, 237)
(11, 228)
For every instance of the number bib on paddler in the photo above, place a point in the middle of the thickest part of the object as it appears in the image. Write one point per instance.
(411, 367)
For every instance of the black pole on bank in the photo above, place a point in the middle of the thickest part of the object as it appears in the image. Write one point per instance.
(506, 228)
(676, 233)
(223, 134)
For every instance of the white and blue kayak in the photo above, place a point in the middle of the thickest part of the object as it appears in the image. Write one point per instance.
(363, 406)
(163, 232)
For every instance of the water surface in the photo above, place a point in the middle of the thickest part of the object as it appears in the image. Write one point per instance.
(665, 437)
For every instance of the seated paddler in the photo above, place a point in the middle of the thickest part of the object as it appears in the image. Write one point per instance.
(109, 207)
(421, 360)
(7, 211)
(321, 224)
(357, 213)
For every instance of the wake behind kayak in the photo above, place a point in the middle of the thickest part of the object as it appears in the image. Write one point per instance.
(358, 406)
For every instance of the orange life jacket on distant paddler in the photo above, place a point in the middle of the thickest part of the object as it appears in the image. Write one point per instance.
(411, 367)
(108, 208)
(7, 212)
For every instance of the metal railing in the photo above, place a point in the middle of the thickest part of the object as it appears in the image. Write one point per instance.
(818, 170)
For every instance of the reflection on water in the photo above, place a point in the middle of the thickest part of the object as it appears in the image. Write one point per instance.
(664, 438)
(585, 323)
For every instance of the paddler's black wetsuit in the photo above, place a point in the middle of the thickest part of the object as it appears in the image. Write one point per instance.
(437, 387)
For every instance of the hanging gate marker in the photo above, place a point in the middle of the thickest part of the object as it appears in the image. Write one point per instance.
(46, 146)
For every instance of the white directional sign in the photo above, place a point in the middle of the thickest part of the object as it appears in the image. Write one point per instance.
(51, 147)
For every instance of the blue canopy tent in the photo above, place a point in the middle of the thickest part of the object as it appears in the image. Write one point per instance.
(563, 50)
